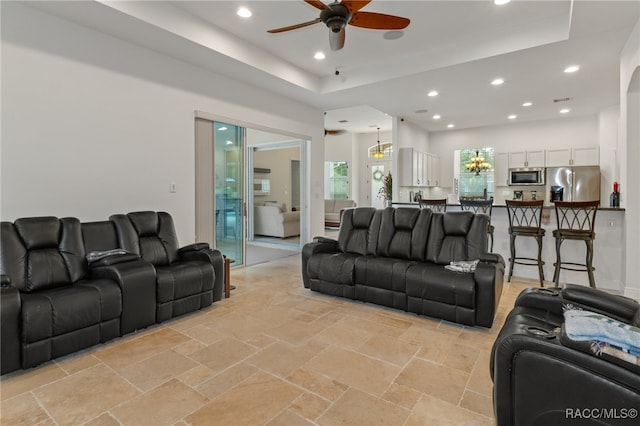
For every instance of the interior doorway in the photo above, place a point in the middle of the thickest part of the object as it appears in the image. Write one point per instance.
(274, 199)
(228, 185)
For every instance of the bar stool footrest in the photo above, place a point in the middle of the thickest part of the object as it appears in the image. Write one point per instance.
(579, 267)
(529, 261)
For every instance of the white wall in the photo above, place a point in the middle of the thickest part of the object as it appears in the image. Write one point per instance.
(411, 135)
(609, 158)
(408, 135)
(279, 161)
(93, 125)
(629, 144)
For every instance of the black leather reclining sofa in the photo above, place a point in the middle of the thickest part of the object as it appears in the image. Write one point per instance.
(56, 300)
(542, 377)
(396, 257)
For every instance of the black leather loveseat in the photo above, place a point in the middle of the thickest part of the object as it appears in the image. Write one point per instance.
(397, 258)
(543, 377)
(57, 298)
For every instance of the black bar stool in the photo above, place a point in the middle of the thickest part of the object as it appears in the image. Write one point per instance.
(576, 221)
(480, 206)
(525, 220)
(437, 205)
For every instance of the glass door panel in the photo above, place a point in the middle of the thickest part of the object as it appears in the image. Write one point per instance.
(228, 143)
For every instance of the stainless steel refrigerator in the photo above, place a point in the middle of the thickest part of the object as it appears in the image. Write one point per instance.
(578, 183)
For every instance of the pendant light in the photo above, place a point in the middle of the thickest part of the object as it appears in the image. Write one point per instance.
(378, 154)
(477, 164)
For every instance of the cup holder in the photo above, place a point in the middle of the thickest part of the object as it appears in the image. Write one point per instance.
(547, 291)
(540, 332)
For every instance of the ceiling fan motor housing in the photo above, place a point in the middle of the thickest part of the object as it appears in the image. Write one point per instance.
(335, 18)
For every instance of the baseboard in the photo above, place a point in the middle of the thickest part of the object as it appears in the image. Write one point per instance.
(632, 292)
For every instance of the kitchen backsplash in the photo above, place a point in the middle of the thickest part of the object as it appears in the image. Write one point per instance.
(501, 194)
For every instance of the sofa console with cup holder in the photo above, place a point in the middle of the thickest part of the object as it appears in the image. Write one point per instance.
(549, 366)
(402, 258)
(67, 285)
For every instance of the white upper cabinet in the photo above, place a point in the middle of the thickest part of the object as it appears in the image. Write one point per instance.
(418, 168)
(573, 157)
(411, 164)
(433, 170)
(558, 157)
(585, 156)
(527, 159)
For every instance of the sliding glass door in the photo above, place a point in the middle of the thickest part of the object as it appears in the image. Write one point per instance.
(228, 141)
(225, 190)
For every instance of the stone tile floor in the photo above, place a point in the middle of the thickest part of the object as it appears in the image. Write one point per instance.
(272, 354)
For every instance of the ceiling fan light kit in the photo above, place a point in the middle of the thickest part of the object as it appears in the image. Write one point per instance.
(336, 16)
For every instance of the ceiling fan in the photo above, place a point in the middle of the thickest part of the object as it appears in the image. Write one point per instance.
(337, 15)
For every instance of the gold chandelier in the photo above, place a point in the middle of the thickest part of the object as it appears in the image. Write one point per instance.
(477, 164)
(378, 154)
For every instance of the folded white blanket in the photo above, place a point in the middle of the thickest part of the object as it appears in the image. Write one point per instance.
(462, 266)
(590, 326)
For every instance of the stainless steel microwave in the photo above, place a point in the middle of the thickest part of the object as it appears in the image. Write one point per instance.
(527, 176)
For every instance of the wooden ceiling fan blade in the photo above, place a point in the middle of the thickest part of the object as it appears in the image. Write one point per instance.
(294, 27)
(378, 21)
(355, 5)
(317, 4)
(336, 40)
(334, 132)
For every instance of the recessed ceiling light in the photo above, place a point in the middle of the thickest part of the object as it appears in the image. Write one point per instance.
(222, 129)
(229, 142)
(319, 55)
(512, 117)
(500, 2)
(451, 125)
(527, 104)
(437, 117)
(497, 81)
(244, 12)
(432, 93)
(565, 111)
(571, 69)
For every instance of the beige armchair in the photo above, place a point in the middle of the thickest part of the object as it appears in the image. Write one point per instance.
(333, 210)
(273, 221)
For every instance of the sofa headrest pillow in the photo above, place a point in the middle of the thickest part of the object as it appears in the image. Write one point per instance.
(405, 219)
(457, 223)
(38, 232)
(145, 223)
(362, 218)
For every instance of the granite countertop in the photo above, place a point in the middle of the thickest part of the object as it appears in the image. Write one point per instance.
(547, 206)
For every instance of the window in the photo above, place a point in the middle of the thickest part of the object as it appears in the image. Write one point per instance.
(336, 180)
(471, 184)
(386, 148)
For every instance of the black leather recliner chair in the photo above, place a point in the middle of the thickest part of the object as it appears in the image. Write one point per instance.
(52, 304)
(185, 277)
(541, 377)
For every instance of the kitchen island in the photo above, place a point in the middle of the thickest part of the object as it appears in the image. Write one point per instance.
(608, 247)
